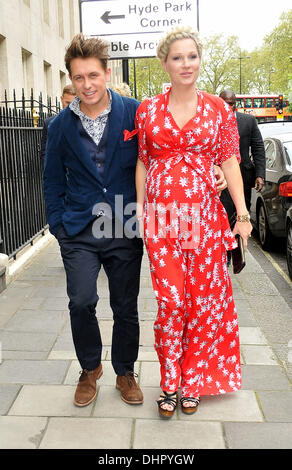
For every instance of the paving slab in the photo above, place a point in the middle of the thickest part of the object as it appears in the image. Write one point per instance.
(244, 313)
(276, 405)
(150, 374)
(8, 393)
(87, 433)
(46, 321)
(37, 372)
(109, 401)
(251, 335)
(237, 406)
(264, 377)
(259, 355)
(21, 432)
(258, 435)
(153, 434)
(48, 400)
(26, 341)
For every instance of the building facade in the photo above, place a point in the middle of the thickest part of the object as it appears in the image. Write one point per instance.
(34, 35)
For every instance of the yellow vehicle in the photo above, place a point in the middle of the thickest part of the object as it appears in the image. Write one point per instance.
(265, 108)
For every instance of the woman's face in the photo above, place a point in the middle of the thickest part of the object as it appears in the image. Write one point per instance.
(183, 62)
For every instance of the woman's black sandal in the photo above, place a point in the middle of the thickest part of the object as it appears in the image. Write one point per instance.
(189, 410)
(167, 399)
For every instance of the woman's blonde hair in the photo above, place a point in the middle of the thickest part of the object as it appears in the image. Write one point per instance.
(180, 32)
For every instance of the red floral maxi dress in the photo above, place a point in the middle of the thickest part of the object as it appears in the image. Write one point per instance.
(196, 329)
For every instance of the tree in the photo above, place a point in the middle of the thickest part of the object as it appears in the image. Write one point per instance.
(218, 69)
(279, 43)
(148, 75)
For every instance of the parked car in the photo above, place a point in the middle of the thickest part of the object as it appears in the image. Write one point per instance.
(269, 207)
(268, 129)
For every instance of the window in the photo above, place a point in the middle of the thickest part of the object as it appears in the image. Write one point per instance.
(27, 71)
(60, 18)
(62, 81)
(270, 150)
(288, 151)
(72, 19)
(46, 11)
(270, 102)
(248, 102)
(3, 67)
(239, 102)
(259, 102)
(48, 78)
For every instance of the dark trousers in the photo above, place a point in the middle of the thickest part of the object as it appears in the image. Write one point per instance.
(83, 255)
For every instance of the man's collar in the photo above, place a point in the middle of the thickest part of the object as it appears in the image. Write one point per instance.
(75, 107)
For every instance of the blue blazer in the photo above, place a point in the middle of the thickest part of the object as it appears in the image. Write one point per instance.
(72, 184)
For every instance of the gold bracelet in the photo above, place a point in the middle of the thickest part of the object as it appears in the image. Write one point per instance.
(243, 218)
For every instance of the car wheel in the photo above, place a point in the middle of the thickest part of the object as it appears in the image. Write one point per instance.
(265, 235)
(289, 250)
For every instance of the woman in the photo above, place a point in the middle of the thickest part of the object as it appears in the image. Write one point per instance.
(182, 134)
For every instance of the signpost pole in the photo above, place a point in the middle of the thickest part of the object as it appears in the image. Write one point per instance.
(126, 71)
(135, 81)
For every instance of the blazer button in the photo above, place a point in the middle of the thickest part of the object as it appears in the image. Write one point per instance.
(104, 190)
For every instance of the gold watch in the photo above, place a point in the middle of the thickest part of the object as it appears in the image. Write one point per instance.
(243, 218)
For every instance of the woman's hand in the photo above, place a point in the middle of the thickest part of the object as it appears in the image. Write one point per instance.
(221, 181)
(244, 229)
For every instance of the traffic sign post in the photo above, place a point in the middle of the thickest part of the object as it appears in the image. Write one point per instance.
(133, 28)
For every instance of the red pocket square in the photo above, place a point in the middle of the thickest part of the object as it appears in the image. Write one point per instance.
(129, 135)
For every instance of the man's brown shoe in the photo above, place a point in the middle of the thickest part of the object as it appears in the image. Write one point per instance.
(130, 390)
(86, 388)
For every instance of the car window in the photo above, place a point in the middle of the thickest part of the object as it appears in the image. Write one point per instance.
(270, 149)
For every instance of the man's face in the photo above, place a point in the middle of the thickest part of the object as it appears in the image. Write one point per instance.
(66, 99)
(89, 80)
(229, 98)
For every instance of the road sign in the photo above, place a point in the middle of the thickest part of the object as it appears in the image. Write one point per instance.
(133, 27)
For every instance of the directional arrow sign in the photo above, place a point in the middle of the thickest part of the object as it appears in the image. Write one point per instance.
(106, 17)
(126, 24)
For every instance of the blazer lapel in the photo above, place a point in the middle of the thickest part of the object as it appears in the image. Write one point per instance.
(74, 141)
(116, 119)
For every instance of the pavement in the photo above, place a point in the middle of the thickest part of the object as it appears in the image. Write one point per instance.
(39, 371)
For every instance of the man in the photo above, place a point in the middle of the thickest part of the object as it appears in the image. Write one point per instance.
(88, 164)
(68, 95)
(251, 144)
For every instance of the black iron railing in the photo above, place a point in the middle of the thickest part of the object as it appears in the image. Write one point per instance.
(22, 210)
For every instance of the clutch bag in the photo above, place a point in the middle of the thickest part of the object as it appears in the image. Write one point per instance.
(237, 254)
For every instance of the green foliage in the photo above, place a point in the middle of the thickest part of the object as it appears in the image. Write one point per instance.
(149, 77)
